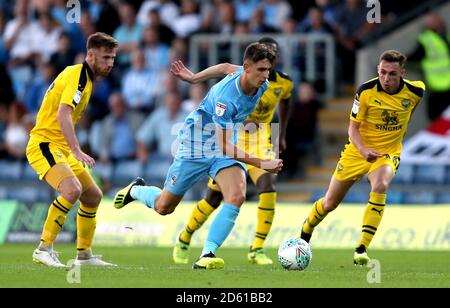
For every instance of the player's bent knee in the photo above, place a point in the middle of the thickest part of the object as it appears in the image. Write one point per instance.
(380, 186)
(164, 210)
(235, 199)
(71, 193)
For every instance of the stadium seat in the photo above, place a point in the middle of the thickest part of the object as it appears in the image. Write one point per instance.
(429, 174)
(29, 173)
(24, 194)
(394, 197)
(157, 168)
(419, 197)
(3, 193)
(356, 196)
(10, 170)
(404, 174)
(443, 197)
(447, 175)
(125, 171)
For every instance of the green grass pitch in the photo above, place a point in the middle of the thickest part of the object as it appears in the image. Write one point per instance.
(153, 267)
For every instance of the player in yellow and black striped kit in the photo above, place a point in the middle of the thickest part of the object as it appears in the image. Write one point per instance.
(379, 118)
(54, 152)
(256, 140)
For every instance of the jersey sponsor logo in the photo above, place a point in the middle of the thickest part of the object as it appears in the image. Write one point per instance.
(220, 109)
(355, 108)
(77, 97)
(390, 119)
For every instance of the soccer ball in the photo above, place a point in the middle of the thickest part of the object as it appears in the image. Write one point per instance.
(294, 254)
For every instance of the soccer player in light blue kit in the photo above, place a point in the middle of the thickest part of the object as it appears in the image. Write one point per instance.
(207, 144)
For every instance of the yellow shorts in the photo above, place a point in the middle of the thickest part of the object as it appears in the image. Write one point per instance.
(42, 156)
(261, 150)
(352, 166)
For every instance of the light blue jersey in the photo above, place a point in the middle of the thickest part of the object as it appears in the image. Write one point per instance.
(198, 153)
(225, 105)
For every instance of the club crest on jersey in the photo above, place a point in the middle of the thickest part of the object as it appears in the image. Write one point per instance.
(220, 109)
(406, 103)
(277, 91)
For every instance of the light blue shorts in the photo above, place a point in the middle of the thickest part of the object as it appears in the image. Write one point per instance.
(184, 173)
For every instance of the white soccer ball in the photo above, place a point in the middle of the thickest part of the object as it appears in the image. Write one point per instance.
(294, 254)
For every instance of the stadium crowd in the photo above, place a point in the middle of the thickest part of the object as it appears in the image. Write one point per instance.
(132, 111)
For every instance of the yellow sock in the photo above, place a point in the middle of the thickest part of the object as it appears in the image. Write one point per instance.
(316, 215)
(56, 217)
(86, 224)
(199, 215)
(372, 218)
(266, 212)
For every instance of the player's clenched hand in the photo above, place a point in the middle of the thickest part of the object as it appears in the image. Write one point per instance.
(178, 69)
(84, 158)
(272, 165)
(370, 155)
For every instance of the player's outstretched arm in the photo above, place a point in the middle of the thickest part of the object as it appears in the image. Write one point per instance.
(231, 150)
(217, 71)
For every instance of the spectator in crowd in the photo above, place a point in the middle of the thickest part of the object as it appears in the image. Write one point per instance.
(157, 54)
(3, 122)
(314, 22)
(257, 23)
(302, 131)
(276, 12)
(168, 10)
(165, 33)
(19, 40)
(352, 28)
(219, 18)
(245, 9)
(197, 92)
(17, 130)
(141, 86)
(43, 80)
(6, 87)
(189, 21)
(128, 34)
(64, 55)
(59, 12)
(328, 10)
(160, 129)
(3, 51)
(104, 15)
(118, 131)
(45, 37)
(433, 51)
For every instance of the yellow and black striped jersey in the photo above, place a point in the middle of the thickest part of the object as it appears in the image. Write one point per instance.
(280, 88)
(384, 117)
(73, 86)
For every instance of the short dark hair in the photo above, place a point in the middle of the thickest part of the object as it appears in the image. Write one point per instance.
(268, 40)
(101, 39)
(393, 56)
(256, 52)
